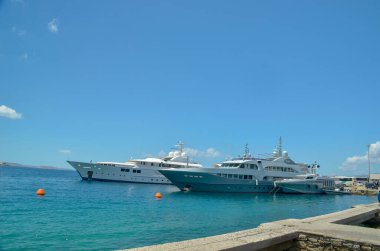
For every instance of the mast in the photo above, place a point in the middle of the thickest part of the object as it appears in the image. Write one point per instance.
(279, 147)
(369, 164)
(246, 151)
(180, 145)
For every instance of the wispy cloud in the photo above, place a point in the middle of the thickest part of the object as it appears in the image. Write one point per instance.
(360, 162)
(19, 32)
(65, 151)
(191, 152)
(24, 56)
(10, 113)
(53, 25)
(18, 1)
(208, 153)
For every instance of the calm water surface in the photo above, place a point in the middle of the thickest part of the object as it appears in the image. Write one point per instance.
(82, 215)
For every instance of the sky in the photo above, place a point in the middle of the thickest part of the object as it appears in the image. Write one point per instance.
(110, 80)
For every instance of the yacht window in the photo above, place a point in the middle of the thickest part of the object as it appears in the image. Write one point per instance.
(250, 177)
(253, 166)
(241, 166)
(230, 176)
(127, 170)
(240, 176)
(236, 165)
(123, 170)
(134, 171)
(236, 176)
(138, 171)
(224, 175)
(151, 164)
(245, 177)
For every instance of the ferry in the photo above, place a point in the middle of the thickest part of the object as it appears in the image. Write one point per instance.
(244, 174)
(135, 170)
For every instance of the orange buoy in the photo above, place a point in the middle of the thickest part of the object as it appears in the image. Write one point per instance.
(158, 195)
(40, 192)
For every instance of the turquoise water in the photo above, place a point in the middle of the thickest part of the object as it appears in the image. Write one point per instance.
(82, 215)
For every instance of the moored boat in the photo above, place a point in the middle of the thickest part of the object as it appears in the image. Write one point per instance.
(135, 170)
(336, 191)
(245, 174)
(306, 184)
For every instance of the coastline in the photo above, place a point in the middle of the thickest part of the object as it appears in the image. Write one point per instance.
(17, 165)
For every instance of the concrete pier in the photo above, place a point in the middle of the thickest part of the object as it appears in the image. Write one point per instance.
(335, 231)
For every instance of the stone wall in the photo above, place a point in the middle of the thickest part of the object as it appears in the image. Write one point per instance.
(309, 242)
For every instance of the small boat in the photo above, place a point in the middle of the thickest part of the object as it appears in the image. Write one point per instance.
(336, 191)
(306, 184)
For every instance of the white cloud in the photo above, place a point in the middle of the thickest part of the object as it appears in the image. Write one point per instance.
(18, 31)
(360, 162)
(162, 153)
(9, 113)
(65, 151)
(209, 153)
(53, 25)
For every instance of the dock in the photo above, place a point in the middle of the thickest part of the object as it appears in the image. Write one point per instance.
(335, 231)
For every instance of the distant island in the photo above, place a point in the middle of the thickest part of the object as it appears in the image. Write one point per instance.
(12, 164)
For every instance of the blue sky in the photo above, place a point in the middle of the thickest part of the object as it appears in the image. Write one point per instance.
(110, 80)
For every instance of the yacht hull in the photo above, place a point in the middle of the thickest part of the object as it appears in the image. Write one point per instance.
(207, 182)
(97, 172)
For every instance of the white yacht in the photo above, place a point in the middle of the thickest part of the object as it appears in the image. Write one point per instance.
(244, 174)
(135, 170)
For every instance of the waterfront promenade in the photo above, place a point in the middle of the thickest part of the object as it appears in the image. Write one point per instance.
(335, 231)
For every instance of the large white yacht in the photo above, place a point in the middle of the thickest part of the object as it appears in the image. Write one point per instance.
(244, 174)
(135, 170)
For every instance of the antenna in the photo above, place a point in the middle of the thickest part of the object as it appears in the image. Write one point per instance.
(180, 145)
(279, 147)
(246, 151)
(369, 164)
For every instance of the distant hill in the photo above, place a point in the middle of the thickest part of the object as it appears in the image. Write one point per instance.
(12, 164)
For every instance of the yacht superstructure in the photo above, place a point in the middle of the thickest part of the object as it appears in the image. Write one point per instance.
(135, 170)
(244, 174)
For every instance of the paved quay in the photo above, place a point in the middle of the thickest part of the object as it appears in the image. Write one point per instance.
(335, 231)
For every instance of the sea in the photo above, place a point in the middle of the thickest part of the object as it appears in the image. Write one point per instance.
(93, 215)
